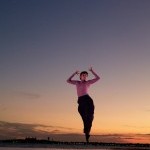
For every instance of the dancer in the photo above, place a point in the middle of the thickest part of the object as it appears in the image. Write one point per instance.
(85, 102)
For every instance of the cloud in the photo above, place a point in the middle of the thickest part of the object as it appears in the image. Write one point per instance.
(136, 127)
(22, 130)
(10, 130)
(124, 138)
(2, 107)
(147, 110)
(28, 95)
(6, 94)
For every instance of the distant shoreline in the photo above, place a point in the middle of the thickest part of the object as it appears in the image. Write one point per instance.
(71, 145)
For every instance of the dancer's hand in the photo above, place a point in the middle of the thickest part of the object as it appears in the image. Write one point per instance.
(77, 73)
(91, 69)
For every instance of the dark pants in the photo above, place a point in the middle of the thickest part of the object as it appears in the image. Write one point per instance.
(86, 110)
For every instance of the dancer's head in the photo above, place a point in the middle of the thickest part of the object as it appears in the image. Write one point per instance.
(83, 75)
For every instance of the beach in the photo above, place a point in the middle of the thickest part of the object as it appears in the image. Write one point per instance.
(58, 146)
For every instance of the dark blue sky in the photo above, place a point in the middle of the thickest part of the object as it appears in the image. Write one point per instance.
(44, 41)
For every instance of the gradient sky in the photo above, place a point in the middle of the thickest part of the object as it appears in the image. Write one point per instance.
(44, 41)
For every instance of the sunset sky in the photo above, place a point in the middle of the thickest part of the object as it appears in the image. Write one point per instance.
(42, 42)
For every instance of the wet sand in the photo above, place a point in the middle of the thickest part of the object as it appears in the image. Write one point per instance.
(73, 146)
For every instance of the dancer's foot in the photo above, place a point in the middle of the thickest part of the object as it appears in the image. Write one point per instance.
(87, 136)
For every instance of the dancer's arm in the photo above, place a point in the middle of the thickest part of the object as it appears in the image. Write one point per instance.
(95, 75)
(69, 80)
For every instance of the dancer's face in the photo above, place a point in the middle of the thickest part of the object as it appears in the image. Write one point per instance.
(83, 77)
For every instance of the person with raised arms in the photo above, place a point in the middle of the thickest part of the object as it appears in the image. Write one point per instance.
(85, 103)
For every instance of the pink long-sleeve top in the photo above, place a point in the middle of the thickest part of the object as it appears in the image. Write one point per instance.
(82, 86)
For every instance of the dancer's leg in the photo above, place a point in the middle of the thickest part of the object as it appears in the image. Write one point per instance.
(86, 110)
